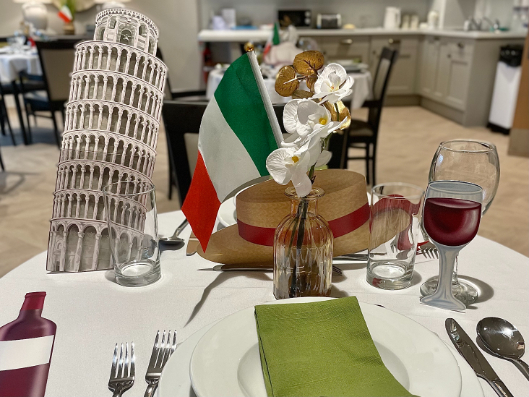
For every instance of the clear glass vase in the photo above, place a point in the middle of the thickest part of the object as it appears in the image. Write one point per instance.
(303, 244)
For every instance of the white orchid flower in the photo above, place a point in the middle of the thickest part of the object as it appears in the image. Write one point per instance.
(333, 84)
(303, 119)
(302, 116)
(291, 164)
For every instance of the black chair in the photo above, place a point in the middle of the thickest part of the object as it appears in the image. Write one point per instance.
(4, 117)
(56, 59)
(13, 88)
(182, 120)
(1, 162)
(364, 134)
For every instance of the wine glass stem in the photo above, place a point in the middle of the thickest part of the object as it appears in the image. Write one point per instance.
(454, 274)
(447, 259)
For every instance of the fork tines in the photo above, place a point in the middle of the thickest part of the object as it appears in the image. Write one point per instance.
(123, 368)
(161, 351)
(429, 250)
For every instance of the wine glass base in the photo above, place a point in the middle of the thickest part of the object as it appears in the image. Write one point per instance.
(463, 290)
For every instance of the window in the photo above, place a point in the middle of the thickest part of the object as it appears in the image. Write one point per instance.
(143, 30)
(125, 37)
(100, 33)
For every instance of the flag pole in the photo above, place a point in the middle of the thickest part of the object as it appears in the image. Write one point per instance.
(264, 95)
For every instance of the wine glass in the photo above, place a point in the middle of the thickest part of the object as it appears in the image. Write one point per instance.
(469, 161)
(451, 217)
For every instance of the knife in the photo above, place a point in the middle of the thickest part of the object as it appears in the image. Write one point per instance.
(470, 352)
(192, 245)
(263, 267)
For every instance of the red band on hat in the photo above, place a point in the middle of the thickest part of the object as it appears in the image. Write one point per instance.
(346, 224)
(339, 227)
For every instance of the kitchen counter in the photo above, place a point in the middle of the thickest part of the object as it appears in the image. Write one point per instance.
(263, 35)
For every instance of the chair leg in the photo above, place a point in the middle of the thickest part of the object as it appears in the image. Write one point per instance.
(29, 111)
(2, 127)
(373, 163)
(170, 181)
(8, 123)
(368, 179)
(55, 129)
(2, 163)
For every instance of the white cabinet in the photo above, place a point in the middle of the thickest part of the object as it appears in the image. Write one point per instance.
(403, 75)
(445, 70)
(429, 65)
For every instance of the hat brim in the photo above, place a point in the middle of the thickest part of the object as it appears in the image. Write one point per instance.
(227, 247)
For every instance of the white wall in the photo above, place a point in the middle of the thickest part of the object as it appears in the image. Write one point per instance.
(362, 13)
(453, 13)
(177, 21)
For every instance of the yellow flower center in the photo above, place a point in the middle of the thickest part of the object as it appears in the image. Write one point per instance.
(323, 121)
(295, 159)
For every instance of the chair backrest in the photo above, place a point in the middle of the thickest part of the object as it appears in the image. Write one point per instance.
(388, 57)
(182, 118)
(56, 60)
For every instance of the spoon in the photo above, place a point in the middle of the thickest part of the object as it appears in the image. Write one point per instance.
(174, 239)
(501, 339)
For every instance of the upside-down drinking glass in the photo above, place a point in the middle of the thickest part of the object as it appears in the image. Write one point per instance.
(451, 217)
(469, 161)
(130, 208)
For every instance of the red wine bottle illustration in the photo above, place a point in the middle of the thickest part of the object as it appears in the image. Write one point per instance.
(26, 345)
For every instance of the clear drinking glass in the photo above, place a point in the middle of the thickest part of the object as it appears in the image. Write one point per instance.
(394, 227)
(451, 217)
(130, 209)
(469, 161)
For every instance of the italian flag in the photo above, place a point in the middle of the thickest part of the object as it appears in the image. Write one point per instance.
(235, 138)
(273, 40)
(65, 14)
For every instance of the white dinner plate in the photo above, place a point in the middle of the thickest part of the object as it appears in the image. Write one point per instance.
(175, 381)
(227, 215)
(226, 359)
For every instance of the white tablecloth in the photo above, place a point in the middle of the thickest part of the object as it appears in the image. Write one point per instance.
(361, 88)
(12, 64)
(92, 313)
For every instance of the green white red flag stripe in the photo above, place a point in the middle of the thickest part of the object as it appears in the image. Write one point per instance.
(65, 14)
(234, 141)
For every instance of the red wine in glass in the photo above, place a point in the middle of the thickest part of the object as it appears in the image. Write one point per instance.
(451, 221)
(451, 216)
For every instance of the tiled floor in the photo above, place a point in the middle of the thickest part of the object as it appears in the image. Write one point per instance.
(408, 139)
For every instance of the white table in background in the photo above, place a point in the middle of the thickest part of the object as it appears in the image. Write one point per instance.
(11, 65)
(361, 88)
(92, 312)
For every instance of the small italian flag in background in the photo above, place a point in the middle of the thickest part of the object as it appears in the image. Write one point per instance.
(65, 14)
(273, 40)
(238, 132)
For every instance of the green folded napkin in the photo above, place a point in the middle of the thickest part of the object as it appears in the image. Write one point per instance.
(321, 349)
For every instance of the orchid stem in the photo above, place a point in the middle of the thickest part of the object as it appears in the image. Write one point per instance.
(302, 215)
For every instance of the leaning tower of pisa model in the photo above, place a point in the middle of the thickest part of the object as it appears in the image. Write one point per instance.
(110, 135)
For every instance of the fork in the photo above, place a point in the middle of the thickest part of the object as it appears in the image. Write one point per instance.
(123, 370)
(159, 356)
(429, 250)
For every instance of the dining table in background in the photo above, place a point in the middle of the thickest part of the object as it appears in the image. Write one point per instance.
(361, 88)
(93, 313)
(11, 64)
